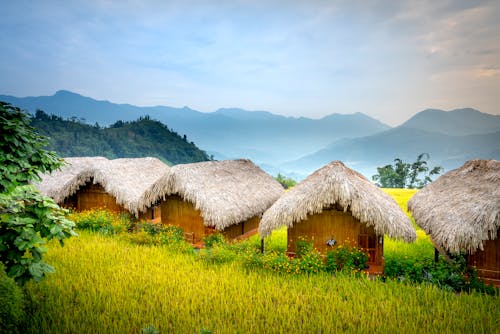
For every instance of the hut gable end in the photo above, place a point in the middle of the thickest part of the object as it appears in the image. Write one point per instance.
(461, 209)
(225, 192)
(125, 179)
(336, 186)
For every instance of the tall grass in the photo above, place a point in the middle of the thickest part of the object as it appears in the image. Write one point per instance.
(108, 285)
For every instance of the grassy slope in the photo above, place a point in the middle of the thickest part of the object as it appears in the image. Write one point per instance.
(106, 285)
(103, 284)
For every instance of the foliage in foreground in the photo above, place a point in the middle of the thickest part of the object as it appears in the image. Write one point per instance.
(136, 286)
(11, 304)
(27, 219)
(415, 263)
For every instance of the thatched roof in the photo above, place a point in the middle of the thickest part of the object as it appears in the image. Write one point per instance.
(226, 192)
(128, 179)
(337, 185)
(461, 209)
(125, 179)
(64, 182)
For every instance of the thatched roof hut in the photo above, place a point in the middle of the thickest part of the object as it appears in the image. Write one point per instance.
(461, 209)
(336, 185)
(64, 182)
(225, 192)
(124, 179)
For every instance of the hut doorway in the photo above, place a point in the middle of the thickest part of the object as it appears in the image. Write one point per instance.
(344, 229)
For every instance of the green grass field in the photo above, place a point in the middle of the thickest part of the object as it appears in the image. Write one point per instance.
(106, 284)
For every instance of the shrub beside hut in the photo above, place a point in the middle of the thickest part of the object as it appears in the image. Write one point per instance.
(226, 196)
(118, 185)
(461, 213)
(337, 206)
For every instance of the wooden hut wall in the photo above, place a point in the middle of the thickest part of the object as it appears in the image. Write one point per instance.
(487, 262)
(92, 196)
(176, 211)
(343, 228)
(152, 213)
(235, 231)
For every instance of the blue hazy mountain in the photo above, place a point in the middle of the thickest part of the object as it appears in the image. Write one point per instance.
(231, 133)
(366, 153)
(298, 146)
(466, 121)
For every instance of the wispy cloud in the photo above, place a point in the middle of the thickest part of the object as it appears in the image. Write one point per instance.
(311, 58)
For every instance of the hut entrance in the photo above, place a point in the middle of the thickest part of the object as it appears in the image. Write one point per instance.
(487, 262)
(342, 228)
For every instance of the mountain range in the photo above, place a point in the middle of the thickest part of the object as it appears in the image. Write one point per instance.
(298, 146)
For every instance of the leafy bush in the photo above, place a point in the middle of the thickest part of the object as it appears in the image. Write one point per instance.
(27, 219)
(102, 221)
(213, 239)
(447, 274)
(346, 258)
(11, 303)
(154, 234)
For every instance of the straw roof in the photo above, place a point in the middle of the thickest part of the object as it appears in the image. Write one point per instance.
(125, 179)
(226, 192)
(128, 179)
(337, 185)
(64, 182)
(461, 209)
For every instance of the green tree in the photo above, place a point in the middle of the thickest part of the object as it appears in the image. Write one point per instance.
(406, 175)
(286, 182)
(27, 219)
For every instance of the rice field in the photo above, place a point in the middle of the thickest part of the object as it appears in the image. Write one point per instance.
(105, 284)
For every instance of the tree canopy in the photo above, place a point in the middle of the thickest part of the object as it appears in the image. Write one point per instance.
(406, 175)
(140, 138)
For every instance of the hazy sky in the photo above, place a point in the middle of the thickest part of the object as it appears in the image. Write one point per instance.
(387, 59)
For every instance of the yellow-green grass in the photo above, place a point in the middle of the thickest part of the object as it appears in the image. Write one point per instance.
(401, 196)
(107, 285)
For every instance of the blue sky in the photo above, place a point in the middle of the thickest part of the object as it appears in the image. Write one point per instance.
(387, 59)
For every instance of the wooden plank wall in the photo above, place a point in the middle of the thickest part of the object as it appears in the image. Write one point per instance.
(176, 211)
(151, 214)
(235, 231)
(92, 196)
(487, 262)
(340, 226)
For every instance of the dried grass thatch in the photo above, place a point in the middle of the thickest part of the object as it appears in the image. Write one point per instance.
(226, 192)
(128, 179)
(125, 179)
(64, 182)
(461, 209)
(337, 185)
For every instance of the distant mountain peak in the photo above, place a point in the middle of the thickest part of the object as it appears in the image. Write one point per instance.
(457, 122)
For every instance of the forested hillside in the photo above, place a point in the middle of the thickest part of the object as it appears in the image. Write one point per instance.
(140, 138)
